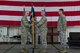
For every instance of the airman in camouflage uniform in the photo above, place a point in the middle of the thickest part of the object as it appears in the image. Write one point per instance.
(42, 25)
(25, 32)
(62, 31)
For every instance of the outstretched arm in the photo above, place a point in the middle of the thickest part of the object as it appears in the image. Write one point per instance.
(25, 21)
(42, 21)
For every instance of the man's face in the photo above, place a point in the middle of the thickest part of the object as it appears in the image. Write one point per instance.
(27, 13)
(42, 12)
(60, 12)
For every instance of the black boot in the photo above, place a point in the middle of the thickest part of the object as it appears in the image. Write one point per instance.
(42, 51)
(24, 50)
(63, 50)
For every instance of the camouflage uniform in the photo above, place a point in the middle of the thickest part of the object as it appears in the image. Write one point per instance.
(62, 32)
(42, 24)
(25, 33)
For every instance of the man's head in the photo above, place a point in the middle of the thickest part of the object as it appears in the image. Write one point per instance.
(27, 13)
(61, 11)
(42, 12)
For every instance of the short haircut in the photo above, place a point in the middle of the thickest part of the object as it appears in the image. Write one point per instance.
(26, 11)
(42, 10)
(61, 10)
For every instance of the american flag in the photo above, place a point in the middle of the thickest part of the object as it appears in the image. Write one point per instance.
(11, 11)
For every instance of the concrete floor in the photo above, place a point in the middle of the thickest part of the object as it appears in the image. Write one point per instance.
(15, 48)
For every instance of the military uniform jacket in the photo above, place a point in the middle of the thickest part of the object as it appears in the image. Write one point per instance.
(25, 24)
(42, 24)
(62, 23)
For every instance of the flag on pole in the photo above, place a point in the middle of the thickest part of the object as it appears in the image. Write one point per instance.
(44, 12)
(32, 13)
(23, 11)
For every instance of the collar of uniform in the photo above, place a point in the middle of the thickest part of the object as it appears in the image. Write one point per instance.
(25, 16)
(43, 16)
(62, 15)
